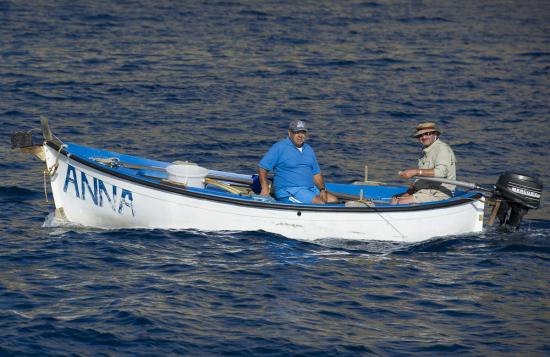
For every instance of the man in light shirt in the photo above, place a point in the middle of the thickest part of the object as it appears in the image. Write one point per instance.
(438, 160)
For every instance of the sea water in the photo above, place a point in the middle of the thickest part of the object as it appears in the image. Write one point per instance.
(216, 83)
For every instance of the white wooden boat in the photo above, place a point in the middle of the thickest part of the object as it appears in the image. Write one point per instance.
(106, 189)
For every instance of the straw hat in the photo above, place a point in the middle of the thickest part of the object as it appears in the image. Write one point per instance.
(426, 128)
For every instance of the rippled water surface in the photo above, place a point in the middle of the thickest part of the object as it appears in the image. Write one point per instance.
(216, 82)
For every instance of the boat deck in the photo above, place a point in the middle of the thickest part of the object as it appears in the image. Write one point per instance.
(241, 187)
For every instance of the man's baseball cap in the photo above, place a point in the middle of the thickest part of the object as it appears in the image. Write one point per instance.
(297, 125)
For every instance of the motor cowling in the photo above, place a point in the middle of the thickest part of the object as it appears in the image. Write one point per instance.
(519, 193)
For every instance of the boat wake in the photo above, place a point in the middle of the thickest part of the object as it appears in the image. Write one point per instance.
(60, 225)
(361, 246)
(53, 221)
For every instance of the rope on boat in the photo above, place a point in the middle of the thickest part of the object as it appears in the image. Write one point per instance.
(52, 170)
(399, 232)
(391, 225)
(112, 162)
(45, 186)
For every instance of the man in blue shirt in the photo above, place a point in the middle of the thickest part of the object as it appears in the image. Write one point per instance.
(297, 175)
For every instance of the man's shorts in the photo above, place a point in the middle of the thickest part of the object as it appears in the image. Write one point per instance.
(426, 195)
(297, 194)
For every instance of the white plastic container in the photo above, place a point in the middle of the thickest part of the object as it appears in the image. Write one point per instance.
(187, 174)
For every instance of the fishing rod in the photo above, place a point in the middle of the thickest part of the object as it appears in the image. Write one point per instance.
(469, 185)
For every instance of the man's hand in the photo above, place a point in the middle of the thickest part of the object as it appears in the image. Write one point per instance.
(324, 195)
(408, 173)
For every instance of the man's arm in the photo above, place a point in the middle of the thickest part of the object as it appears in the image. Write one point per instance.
(262, 173)
(319, 181)
(408, 173)
(441, 167)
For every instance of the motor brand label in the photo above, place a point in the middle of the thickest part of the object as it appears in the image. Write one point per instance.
(524, 192)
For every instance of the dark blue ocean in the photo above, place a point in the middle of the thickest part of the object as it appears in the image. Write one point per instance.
(216, 82)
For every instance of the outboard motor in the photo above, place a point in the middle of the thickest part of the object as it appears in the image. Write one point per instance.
(518, 193)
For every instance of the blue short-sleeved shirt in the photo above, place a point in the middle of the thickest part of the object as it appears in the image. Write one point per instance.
(292, 168)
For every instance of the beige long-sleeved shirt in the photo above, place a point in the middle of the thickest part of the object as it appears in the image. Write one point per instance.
(440, 157)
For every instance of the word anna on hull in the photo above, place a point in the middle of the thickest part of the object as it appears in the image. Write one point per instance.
(106, 189)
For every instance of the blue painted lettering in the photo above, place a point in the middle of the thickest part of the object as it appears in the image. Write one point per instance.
(85, 184)
(123, 202)
(99, 191)
(102, 190)
(71, 177)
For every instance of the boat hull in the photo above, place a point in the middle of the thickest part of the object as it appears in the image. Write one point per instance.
(91, 196)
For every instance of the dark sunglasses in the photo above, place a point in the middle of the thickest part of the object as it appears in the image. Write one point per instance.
(426, 134)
